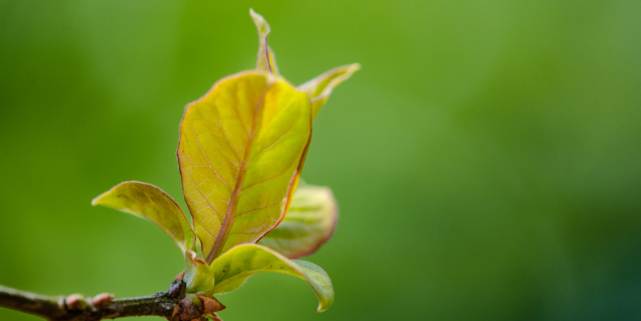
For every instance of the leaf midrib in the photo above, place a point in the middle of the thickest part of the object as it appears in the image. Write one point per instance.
(223, 233)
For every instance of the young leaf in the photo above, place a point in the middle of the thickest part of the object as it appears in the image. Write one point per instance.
(198, 276)
(240, 155)
(235, 266)
(308, 224)
(266, 60)
(321, 87)
(150, 202)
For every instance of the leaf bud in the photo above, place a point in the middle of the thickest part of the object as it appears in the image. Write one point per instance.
(76, 302)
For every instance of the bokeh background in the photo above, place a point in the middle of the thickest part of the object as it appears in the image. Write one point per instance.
(487, 158)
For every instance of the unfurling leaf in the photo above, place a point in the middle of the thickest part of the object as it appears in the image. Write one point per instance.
(308, 224)
(198, 276)
(240, 155)
(266, 61)
(150, 202)
(235, 266)
(321, 87)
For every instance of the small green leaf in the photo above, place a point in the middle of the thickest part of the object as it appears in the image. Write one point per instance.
(235, 266)
(198, 276)
(240, 155)
(321, 87)
(150, 202)
(266, 59)
(308, 224)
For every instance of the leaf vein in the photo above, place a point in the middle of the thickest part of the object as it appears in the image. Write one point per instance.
(207, 158)
(258, 209)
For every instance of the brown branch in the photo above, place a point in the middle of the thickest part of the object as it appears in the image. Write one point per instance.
(171, 305)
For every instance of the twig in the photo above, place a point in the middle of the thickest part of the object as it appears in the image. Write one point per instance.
(170, 305)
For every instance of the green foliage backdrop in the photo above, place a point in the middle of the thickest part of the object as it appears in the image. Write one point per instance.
(486, 159)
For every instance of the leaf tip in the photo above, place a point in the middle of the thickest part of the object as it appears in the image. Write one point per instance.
(97, 200)
(354, 67)
(260, 22)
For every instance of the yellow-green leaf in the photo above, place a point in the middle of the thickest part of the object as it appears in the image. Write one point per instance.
(198, 276)
(235, 266)
(240, 155)
(266, 60)
(150, 202)
(321, 87)
(308, 224)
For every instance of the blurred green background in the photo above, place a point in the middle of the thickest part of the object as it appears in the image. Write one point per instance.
(487, 157)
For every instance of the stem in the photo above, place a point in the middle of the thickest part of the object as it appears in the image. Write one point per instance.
(71, 308)
(29, 302)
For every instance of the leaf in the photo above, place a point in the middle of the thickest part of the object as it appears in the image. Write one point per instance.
(150, 202)
(321, 87)
(235, 266)
(240, 154)
(266, 60)
(198, 276)
(308, 224)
